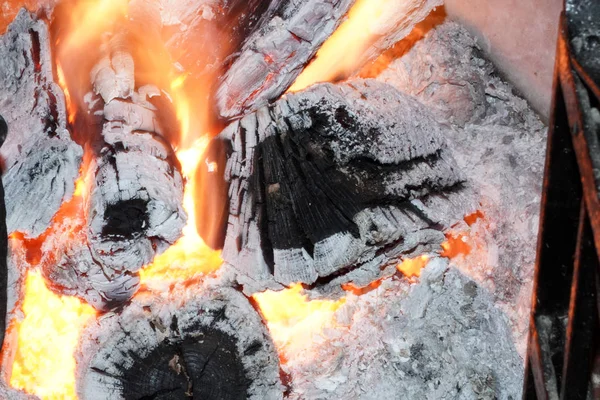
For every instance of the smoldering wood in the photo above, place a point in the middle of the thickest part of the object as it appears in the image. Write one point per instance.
(40, 161)
(332, 184)
(395, 24)
(209, 32)
(200, 342)
(276, 52)
(133, 205)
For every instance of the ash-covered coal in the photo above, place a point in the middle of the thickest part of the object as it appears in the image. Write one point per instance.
(499, 143)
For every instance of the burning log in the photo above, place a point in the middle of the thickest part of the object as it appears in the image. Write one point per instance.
(41, 162)
(276, 52)
(198, 342)
(332, 185)
(133, 209)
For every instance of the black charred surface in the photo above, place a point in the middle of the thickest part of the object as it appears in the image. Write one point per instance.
(330, 174)
(125, 219)
(206, 368)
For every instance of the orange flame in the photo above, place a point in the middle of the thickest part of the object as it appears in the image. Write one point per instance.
(341, 53)
(47, 338)
(292, 319)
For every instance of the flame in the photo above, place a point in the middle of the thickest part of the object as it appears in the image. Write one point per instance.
(341, 54)
(292, 319)
(189, 256)
(71, 110)
(47, 338)
(412, 267)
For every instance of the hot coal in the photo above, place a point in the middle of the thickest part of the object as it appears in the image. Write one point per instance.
(350, 176)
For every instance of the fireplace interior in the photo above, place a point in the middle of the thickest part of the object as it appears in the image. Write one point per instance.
(277, 199)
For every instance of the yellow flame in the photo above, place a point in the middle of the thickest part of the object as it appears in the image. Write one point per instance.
(342, 52)
(47, 338)
(292, 319)
(189, 256)
(90, 19)
(412, 266)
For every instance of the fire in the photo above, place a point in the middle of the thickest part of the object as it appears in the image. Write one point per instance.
(189, 256)
(292, 319)
(412, 267)
(47, 337)
(340, 54)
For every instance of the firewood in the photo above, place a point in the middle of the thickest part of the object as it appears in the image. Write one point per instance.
(133, 208)
(332, 184)
(41, 161)
(200, 342)
(276, 52)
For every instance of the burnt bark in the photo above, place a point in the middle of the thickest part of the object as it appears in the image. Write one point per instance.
(276, 52)
(204, 343)
(334, 184)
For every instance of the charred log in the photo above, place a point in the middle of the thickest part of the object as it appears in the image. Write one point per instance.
(276, 52)
(335, 183)
(40, 161)
(207, 343)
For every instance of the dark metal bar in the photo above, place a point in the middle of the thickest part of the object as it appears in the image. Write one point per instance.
(564, 337)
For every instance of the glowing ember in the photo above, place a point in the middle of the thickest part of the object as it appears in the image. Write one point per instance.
(412, 266)
(48, 335)
(293, 320)
(455, 245)
(340, 53)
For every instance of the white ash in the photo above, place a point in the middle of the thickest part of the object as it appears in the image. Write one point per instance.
(115, 341)
(499, 143)
(40, 161)
(442, 338)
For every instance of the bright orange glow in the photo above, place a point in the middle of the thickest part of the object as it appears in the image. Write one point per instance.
(412, 267)
(455, 245)
(293, 320)
(47, 337)
(341, 53)
(71, 110)
(90, 19)
(189, 256)
(359, 291)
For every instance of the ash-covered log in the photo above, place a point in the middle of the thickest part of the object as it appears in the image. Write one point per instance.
(133, 199)
(198, 342)
(40, 161)
(333, 184)
(276, 52)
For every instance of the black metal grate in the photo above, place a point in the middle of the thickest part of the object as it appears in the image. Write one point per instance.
(563, 354)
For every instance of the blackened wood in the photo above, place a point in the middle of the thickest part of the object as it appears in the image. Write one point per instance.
(334, 183)
(40, 160)
(202, 342)
(276, 52)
